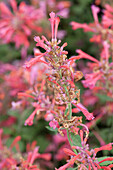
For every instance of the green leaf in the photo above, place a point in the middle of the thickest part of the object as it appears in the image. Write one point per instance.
(65, 113)
(104, 98)
(13, 113)
(7, 130)
(28, 133)
(76, 140)
(51, 129)
(72, 168)
(106, 162)
(42, 142)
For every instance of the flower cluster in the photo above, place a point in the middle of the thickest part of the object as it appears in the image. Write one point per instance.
(48, 90)
(61, 78)
(99, 74)
(86, 159)
(11, 160)
(17, 26)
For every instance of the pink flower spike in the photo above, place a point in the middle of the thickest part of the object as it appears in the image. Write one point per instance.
(52, 21)
(95, 11)
(29, 120)
(86, 56)
(57, 20)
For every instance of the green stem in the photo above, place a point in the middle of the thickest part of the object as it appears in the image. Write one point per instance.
(65, 113)
(69, 138)
(76, 168)
(70, 111)
(66, 90)
(70, 142)
(60, 73)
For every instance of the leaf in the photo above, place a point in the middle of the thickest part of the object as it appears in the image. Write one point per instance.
(13, 113)
(72, 168)
(104, 98)
(65, 113)
(106, 162)
(28, 133)
(7, 130)
(51, 129)
(43, 143)
(76, 140)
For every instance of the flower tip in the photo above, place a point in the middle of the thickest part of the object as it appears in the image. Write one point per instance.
(72, 23)
(25, 124)
(52, 15)
(77, 51)
(18, 138)
(95, 8)
(90, 116)
(37, 148)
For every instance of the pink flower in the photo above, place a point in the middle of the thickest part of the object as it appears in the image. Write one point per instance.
(54, 25)
(91, 79)
(17, 26)
(29, 120)
(86, 56)
(89, 116)
(54, 124)
(95, 11)
(84, 26)
(86, 158)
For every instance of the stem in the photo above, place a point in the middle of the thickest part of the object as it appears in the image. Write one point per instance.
(60, 73)
(70, 111)
(69, 138)
(65, 113)
(66, 90)
(70, 142)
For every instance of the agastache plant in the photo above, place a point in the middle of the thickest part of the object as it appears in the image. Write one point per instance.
(61, 78)
(99, 78)
(17, 161)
